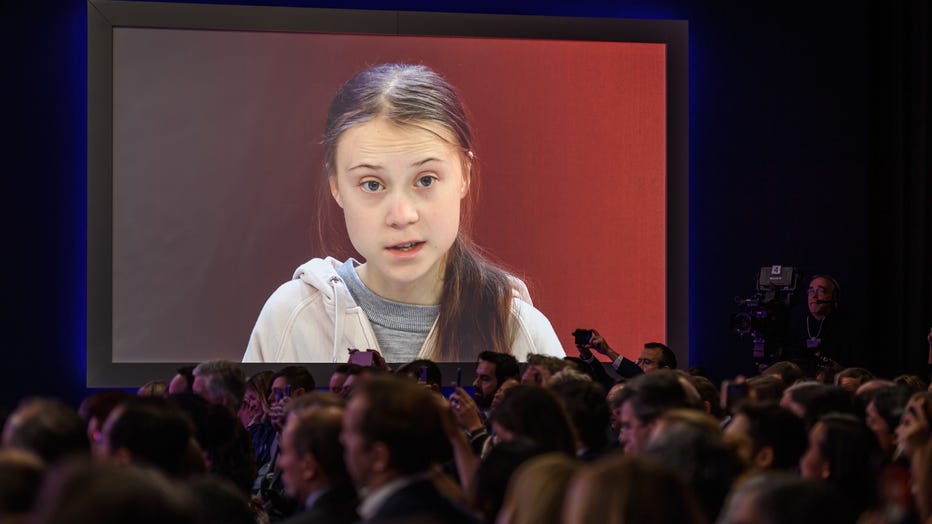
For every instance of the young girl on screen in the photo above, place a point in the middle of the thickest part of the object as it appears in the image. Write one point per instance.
(399, 160)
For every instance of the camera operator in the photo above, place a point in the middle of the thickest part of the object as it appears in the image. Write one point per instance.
(824, 340)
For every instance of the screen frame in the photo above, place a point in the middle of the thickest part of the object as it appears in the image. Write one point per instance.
(103, 16)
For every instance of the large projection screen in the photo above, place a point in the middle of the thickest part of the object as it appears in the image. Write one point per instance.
(206, 189)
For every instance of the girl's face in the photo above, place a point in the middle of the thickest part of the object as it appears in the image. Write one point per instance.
(400, 189)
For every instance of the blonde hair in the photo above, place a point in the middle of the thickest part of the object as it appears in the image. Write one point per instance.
(536, 490)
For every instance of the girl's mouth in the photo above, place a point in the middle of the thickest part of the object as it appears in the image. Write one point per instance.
(408, 246)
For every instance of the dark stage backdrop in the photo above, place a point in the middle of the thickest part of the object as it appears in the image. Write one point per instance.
(780, 136)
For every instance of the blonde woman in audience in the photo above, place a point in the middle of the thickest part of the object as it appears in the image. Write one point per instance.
(535, 493)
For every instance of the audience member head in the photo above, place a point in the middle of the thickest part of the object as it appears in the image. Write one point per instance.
(782, 498)
(341, 374)
(536, 491)
(218, 501)
(811, 402)
(710, 395)
(255, 406)
(487, 492)
(643, 400)
(503, 390)
(492, 369)
(777, 438)
(21, 474)
(292, 381)
(587, 408)
(913, 382)
(843, 452)
(225, 444)
(79, 493)
(823, 296)
(915, 428)
(540, 368)
(656, 356)
(852, 378)
(149, 431)
(883, 414)
(47, 427)
(95, 409)
(183, 381)
(311, 456)
(789, 372)
(765, 388)
(534, 413)
(698, 453)
(392, 428)
(422, 368)
(220, 382)
(623, 489)
(153, 388)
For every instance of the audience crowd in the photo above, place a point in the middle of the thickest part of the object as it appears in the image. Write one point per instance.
(570, 440)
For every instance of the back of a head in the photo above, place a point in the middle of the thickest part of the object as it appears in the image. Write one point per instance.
(587, 407)
(487, 492)
(21, 474)
(854, 457)
(47, 427)
(297, 377)
(770, 425)
(783, 498)
(766, 388)
(430, 369)
(406, 418)
(536, 491)
(537, 414)
(700, 456)
(218, 501)
(225, 381)
(102, 492)
(820, 399)
(709, 394)
(624, 489)
(653, 393)
(787, 371)
(153, 430)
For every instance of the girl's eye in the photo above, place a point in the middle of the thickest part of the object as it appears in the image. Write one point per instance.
(371, 186)
(426, 181)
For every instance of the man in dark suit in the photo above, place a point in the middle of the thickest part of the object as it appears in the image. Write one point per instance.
(392, 437)
(313, 472)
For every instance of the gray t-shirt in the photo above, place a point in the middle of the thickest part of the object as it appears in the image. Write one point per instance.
(400, 328)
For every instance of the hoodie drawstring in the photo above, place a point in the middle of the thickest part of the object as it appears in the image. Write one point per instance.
(337, 318)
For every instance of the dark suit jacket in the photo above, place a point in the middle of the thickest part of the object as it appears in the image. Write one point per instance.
(421, 503)
(336, 505)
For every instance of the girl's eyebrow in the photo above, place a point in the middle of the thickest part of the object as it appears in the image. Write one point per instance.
(366, 166)
(426, 160)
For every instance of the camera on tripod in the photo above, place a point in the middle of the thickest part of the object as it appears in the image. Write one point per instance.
(765, 315)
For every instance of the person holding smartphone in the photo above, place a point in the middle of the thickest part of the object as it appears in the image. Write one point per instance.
(400, 164)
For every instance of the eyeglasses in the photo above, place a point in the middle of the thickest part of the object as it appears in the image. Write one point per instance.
(645, 362)
(817, 291)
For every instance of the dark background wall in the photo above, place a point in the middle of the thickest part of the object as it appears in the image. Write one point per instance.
(783, 143)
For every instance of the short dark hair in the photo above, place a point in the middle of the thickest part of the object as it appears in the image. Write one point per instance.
(49, 428)
(667, 359)
(413, 369)
(770, 425)
(651, 394)
(296, 377)
(154, 430)
(587, 408)
(348, 368)
(317, 432)
(406, 418)
(188, 373)
(506, 366)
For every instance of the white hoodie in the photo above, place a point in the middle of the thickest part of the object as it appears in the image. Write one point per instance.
(313, 318)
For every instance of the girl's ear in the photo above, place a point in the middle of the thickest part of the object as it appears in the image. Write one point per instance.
(335, 190)
(467, 174)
